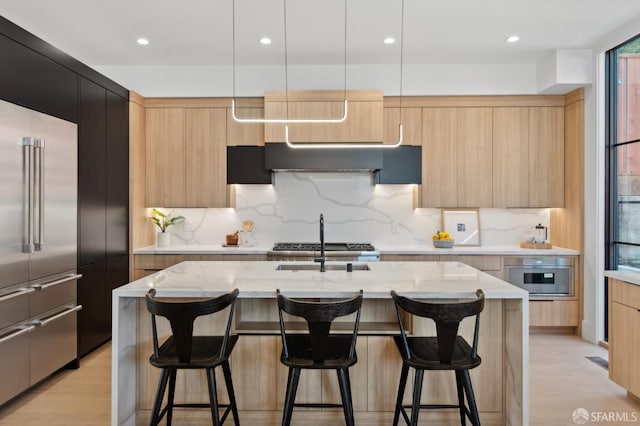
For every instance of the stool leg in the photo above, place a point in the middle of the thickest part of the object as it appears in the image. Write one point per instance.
(172, 391)
(162, 384)
(292, 387)
(401, 388)
(473, 408)
(232, 396)
(417, 392)
(213, 396)
(460, 387)
(345, 393)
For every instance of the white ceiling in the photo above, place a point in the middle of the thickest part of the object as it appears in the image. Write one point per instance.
(102, 33)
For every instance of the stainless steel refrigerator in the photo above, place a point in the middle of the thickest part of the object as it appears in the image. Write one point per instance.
(38, 246)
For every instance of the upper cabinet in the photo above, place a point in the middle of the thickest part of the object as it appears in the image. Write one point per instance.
(239, 134)
(411, 119)
(456, 157)
(528, 155)
(186, 157)
(546, 157)
(364, 121)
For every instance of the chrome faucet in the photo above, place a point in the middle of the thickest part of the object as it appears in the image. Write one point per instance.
(322, 257)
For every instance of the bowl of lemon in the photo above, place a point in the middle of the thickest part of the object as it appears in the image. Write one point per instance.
(442, 239)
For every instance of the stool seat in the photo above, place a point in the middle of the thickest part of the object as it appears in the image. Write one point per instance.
(426, 355)
(182, 350)
(445, 351)
(203, 353)
(318, 348)
(336, 355)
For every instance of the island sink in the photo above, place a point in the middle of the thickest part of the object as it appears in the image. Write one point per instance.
(308, 267)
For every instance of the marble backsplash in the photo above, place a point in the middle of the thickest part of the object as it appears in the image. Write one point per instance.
(354, 210)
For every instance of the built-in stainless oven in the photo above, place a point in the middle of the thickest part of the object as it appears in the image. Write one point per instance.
(545, 275)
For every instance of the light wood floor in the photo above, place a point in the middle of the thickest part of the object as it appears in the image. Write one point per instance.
(562, 380)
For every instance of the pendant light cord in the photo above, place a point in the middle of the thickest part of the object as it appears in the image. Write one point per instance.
(286, 63)
(401, 52)
(233, 44)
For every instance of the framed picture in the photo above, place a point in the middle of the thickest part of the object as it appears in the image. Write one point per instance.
(463, 225)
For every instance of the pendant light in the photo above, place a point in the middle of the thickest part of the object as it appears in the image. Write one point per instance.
(363, 145)
(286, 65)
(287, 120)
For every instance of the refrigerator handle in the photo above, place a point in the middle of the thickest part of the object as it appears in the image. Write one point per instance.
(39, 182)
(27, 195)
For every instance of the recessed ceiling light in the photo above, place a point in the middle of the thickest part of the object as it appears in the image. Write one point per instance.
(143, 41)
(389, 40)
(265, 40)
(513, 39)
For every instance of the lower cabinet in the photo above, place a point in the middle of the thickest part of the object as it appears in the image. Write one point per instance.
(553, 313)
(624, 335)
(39, 334)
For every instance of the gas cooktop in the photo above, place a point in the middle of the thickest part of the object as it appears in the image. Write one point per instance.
(328, 247)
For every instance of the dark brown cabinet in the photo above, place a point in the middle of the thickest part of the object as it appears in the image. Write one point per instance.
(92, 235)
(36, 75)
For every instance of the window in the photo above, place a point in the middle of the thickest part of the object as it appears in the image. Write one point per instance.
(623, 156)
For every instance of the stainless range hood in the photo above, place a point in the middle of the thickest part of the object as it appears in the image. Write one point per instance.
(280, 157)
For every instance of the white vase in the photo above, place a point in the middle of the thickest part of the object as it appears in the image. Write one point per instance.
(164, 239)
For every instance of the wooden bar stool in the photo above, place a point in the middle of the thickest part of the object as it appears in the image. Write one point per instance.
(319, 348)
(446, 351)
(183, 350)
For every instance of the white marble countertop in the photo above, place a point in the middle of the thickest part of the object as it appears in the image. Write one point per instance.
(631, 277)
(382, 248)
(260, 279)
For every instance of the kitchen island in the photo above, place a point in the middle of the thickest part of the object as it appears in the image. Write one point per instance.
(501, 382)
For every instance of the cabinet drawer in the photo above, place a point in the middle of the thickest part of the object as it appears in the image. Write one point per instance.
(409, 258)
(557, 313)
(157, 262)
(53, 293)
(14, 306)
(483, 263)
(14, 368)
(54, 343)
(625, 293)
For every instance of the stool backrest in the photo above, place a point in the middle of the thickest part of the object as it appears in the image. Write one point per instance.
(319, 316)
(182, 314)
(446, 315)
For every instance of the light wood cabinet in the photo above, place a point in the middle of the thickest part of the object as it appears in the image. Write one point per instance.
(363, 123)
(147, 264)
(186, 157)
(456, 157)
(624, 335)
(546, 157)
(510, 157)
(528, 139)
(246, 133)
(165, 156)
(411, 119)
(553, 313)
(205, 176)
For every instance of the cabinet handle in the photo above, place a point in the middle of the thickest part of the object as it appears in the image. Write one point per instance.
(56, 282)
(44, 322)
(17, 333)
(17, 293)
(541, 300)
(39, 182)
(27, 196)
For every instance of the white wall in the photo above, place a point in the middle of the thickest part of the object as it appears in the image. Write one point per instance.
(436, 79)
